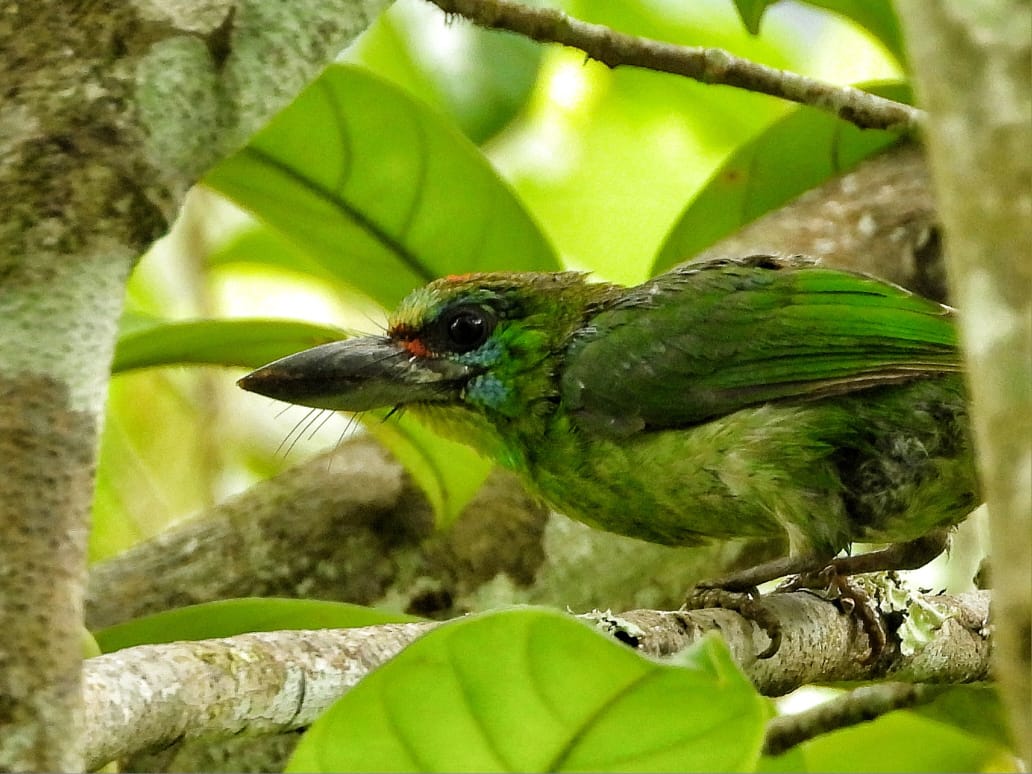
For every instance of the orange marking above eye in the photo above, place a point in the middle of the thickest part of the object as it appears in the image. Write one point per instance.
(417, 348)
(457, 277)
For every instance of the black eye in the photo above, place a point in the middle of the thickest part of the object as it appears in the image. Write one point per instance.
(466, 327)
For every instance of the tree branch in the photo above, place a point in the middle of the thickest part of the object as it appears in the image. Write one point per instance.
(708, 65)
(269, 682)
(349, 525)
(878, 217)
(862, 704)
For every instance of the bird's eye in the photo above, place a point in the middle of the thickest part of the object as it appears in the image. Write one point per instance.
(466, 327)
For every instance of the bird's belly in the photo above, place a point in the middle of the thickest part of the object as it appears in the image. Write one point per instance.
(724, 479)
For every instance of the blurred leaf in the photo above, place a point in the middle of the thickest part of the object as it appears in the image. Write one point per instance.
(480, 78)
(534, 690)
(380, 190)
(607, 158)
(789, 762)
(901, 741)
(974, 709)
(90, 647)
(248, 343)
(751, 12)
(448, 472)
(797, 153)
(230, 617)
(878, 17)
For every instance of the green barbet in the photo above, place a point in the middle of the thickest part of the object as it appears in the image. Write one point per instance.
(749, 397)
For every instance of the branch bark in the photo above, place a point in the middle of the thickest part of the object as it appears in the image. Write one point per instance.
(877, 218)
(270, 682)
(110, 112)
(865, 703)
(970, 63)
(708, 65)
(349, 525)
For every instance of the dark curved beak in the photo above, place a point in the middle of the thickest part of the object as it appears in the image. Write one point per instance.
(358, 375)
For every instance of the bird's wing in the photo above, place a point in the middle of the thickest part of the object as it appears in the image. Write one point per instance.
(708, 339)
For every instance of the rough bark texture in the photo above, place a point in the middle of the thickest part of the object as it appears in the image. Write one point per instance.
(272, 682)
(350, 526)
(109, 112)
(971, 63)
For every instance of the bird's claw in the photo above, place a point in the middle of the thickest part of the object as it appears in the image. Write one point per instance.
(851, 599)
(827, 583)
(742, 602)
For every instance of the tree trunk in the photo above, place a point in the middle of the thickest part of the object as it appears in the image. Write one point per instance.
(971, 66)
(110, 112)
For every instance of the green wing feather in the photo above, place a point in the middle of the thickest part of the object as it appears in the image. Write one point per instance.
(708, 339)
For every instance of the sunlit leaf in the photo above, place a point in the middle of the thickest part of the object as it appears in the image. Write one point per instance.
(751, 12)
(229, 617)
(248, 343)
(797, 153)
(878, 17)
(448, 472)
(379, 189)
(478, 77)
(608, 158)
(533, 690)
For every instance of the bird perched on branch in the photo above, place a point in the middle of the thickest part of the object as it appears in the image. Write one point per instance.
(747, 397)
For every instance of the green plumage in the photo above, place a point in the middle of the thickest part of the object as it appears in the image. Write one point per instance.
(733, 398)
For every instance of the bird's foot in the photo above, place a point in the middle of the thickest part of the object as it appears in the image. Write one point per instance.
(851, 598)
(744, 602)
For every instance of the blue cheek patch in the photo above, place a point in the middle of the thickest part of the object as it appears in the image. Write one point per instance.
(488, 392)
(487, 355)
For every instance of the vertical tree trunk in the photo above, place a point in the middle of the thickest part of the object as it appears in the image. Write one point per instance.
(971, 65)
(109, 111)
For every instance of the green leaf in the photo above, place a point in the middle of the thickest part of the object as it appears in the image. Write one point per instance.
(878, 17)
(751, 12)
(974, 709)
(797, 153)
(380, 190)
(901, 741)
(248, 343)
(534, 690)
(482, 89)
(229, 617)
(448, 472)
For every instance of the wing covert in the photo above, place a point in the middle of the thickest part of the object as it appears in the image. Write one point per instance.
(707, 339)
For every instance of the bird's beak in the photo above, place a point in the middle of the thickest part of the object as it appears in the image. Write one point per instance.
(358, 375)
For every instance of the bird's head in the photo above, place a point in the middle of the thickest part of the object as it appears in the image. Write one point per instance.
(487, 343)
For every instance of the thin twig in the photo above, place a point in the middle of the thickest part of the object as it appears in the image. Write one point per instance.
(857, 706)
(708, 65)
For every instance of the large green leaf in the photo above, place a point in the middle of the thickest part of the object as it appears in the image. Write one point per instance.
(379, 189)
(534, 690)
(448, 472)
(797, 153)
(248, 343)
(230, 617)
